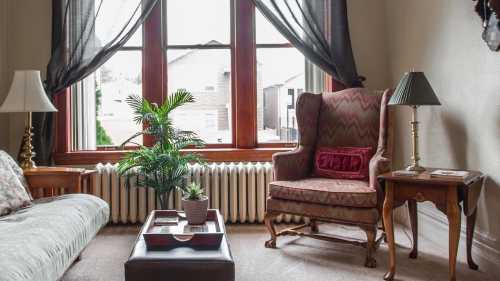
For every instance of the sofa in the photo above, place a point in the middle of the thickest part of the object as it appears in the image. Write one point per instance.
(40, 241)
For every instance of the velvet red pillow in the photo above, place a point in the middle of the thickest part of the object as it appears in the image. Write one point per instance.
(343, 162)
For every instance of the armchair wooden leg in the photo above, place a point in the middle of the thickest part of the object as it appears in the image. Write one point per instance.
(371, 235)
(314, 226)
(269, 221)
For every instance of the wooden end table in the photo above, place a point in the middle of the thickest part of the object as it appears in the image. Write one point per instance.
(446, 194)
(51, 179)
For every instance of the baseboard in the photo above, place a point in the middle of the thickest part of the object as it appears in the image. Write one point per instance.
(433, 225)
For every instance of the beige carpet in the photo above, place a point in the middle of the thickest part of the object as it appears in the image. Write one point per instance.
(296, 258)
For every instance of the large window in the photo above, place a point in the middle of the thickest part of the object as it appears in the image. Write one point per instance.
(244, 75)
(199, 60)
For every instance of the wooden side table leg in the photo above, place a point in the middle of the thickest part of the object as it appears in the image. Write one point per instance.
(412, 210)
(454, 220)
(389, 229)
(471, 223)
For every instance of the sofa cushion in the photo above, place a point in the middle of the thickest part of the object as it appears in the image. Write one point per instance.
(334, 192)
(41, 242)
(5, 157)
(13, 195)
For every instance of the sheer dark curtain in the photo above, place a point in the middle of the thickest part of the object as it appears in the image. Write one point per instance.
(85, 34)
(319, 29)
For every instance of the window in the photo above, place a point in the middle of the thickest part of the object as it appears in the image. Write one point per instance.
(101, 116)
(198, 56)
(277, 86)
(244, 75)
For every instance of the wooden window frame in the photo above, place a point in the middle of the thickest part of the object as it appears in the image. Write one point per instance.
(244, 147)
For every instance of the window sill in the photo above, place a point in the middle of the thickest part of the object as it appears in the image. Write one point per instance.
(210, 155)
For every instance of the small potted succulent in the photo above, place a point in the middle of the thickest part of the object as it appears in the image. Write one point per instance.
(195, 204)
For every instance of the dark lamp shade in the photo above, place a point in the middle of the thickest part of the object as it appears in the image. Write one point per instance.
(414, 89)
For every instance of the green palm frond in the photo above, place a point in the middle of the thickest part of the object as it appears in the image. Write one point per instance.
(179, 98)
(162, 166)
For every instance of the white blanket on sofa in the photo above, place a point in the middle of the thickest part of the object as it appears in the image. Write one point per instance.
(41, 242)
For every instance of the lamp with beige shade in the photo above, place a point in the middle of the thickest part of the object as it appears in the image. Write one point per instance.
(27, 95)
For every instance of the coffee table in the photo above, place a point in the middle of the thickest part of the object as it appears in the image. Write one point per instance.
(181, 263)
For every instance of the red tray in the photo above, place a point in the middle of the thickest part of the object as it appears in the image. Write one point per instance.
(164, 236)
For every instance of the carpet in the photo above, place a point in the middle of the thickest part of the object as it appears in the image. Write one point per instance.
(295, 259)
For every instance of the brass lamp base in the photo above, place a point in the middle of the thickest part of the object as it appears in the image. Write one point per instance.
(415, 168)
(414, 132)
(26, 155)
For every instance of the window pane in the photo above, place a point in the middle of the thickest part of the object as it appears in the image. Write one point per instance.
(136, 39)
(207, 75)
(111, 17)
(280, 79)
(198, 22)
(265, 32)
(118, 78)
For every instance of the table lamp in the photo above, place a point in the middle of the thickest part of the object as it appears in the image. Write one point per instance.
(26, 94)
(414, 90)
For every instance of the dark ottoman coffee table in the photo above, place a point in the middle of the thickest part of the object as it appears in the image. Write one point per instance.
(180, 264)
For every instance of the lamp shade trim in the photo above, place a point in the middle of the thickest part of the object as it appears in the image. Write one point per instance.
(414, 89)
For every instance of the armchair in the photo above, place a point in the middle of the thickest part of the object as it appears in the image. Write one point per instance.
(354, 118)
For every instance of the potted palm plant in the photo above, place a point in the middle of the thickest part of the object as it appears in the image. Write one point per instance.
(195, 204)
(161, 166)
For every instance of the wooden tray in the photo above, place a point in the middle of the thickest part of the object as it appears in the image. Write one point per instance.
(181, 234)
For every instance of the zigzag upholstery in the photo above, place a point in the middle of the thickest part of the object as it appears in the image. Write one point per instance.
(349, 118)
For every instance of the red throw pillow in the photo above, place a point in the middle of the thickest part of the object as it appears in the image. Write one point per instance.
(343, 162)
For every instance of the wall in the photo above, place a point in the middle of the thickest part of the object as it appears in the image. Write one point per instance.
(369, 41)
(28, 47)
(443, 39)
(4, 118)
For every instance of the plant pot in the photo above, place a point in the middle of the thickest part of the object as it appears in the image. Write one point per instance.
(196, 210)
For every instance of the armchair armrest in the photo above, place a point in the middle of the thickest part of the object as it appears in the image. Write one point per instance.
(292, 165)
(56, 177)
(378, 165)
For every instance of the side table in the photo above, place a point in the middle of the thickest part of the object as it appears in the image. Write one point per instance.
(50, 179)
(446, 194)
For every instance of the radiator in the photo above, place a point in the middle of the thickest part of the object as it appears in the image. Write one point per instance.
(238, 190)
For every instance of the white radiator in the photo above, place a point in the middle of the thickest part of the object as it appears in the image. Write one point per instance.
(239, 191)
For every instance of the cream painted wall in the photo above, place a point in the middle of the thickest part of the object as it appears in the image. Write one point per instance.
(443, 39)
(369, 41)
(4, 118)
(28, 47)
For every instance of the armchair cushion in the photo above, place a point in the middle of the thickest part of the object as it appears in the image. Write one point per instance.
(333, 192)
(338, 213)
(342, 162)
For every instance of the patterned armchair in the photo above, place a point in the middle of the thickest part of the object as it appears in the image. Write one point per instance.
(353, 118)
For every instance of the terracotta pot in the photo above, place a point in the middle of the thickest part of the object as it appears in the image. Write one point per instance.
(196, 210)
